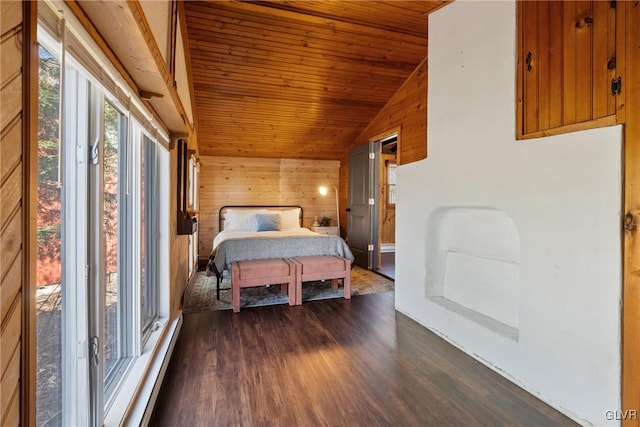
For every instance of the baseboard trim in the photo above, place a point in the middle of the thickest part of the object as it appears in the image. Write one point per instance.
(142, 400)
(387, 247)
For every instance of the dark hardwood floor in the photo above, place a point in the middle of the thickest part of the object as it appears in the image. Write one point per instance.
(387, 265)
(332, 363)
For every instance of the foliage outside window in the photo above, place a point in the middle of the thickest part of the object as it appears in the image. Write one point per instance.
(97, 241)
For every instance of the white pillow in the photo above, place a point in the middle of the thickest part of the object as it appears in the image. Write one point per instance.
(241, 219)
(290, 219)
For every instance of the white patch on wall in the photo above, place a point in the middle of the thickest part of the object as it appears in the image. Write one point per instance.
(473, 266)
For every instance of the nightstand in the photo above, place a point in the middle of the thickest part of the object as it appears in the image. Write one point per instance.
(331, 231)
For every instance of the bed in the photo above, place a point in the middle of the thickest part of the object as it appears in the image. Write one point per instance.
(261, 232)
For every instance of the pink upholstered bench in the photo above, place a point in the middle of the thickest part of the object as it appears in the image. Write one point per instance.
(322, 268)
(262, 272)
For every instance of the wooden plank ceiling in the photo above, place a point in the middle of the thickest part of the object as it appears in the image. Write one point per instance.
(298, 79)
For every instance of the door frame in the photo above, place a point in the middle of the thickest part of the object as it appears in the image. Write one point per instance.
(398, 131)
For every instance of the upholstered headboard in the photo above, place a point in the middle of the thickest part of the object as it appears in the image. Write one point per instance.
(223, 210)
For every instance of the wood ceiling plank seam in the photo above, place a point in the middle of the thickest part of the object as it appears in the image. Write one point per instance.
(268, 150)
(356, 118)
(417, 6)
(227, 150)
(293, 116)
(280, 44)
(351, 103)
(279, 155)
(276, 102)
(344, 20)
(223, 23)
(334, 113)
(302, 46)
(227, 42)
(204, 61)
(375, 87)
(279, 17)
(331, 112)
(378, 15)
(273, 103)
(293, 89)
(360, 79)
(292, 130)
(288, 58)
(271, 151)
(362, 82)
(206, 11)
(282, 136)
(234, 64)
(273, 135)
(205, 20)
(270, 145)
(307, 40)
(206, 53)
(290, 92)
(280, 121)
(409, 8)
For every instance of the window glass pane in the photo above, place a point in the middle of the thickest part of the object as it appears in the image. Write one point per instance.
(391, 180)
(114, 133)
(144, 212)
(49, 247)
(148, 204)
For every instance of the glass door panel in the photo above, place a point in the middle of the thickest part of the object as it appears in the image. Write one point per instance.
(49, 292)
(113, 134)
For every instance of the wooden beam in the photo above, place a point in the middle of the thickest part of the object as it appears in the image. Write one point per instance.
(629, 55)
(101, 42)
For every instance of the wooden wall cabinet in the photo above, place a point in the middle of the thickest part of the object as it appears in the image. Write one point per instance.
(567, 66)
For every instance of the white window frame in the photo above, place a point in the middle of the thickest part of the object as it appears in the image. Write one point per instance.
(83, 397)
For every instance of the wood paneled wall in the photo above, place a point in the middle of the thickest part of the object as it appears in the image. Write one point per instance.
(252, 181)
(629, 25)
(11, 212)
(179, 245)
(407, 110)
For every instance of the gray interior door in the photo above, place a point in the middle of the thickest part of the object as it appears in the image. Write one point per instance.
(360, 211)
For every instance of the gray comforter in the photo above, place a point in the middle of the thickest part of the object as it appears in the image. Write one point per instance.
(261, 248)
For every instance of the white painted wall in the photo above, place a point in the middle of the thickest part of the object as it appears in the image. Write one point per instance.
(563, 193)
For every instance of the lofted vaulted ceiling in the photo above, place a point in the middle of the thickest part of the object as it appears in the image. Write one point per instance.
(298, 79)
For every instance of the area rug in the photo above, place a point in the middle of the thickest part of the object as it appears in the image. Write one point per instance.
(200, 295)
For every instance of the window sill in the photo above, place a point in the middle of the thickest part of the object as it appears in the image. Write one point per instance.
(136, 395)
